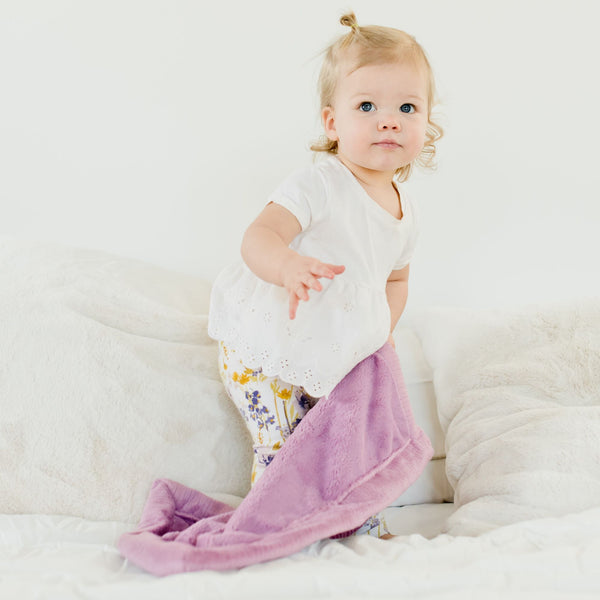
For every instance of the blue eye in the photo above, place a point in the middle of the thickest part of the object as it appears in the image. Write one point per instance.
(407, 108)
(366, 107)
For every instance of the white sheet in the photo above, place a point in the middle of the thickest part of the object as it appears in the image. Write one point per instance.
(71, 558)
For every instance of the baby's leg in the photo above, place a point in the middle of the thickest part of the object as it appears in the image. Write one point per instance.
(270, 407)
(374, 526)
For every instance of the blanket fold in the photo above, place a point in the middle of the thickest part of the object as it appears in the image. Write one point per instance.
(352, 455)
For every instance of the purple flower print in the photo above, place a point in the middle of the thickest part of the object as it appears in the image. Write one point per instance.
(258, 412)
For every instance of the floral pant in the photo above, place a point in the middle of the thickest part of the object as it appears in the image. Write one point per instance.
(272, 409)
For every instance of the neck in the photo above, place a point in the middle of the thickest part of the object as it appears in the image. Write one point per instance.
(368, 178)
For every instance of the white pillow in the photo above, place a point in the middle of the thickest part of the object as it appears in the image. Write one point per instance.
(432, 485)
(418, 378)
(518, 395)
(108, 380)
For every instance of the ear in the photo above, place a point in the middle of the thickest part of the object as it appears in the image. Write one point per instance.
(328, 116)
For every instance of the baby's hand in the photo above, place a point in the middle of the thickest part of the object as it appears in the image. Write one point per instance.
(301, 273)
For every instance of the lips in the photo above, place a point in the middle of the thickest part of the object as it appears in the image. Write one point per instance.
(389, 144)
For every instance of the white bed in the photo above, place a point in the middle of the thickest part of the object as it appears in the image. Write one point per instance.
(108, 381)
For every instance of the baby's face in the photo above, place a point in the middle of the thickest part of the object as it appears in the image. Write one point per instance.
(379, 117)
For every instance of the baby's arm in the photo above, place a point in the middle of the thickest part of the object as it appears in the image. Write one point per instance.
(265, 249)
(396, 291)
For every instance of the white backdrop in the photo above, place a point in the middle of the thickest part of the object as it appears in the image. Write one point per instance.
(156, 129)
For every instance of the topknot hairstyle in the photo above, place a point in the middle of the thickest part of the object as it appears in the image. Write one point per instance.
(372, 45)
(349, 20)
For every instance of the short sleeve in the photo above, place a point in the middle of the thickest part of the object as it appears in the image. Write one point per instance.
(303, 194)
(411, 233)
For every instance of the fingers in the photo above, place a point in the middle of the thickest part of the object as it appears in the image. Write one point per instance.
(293, 305)
(326, 270)
(337, 269)
(320, 270)
(312, 283)
(301, 293)
(307, 278)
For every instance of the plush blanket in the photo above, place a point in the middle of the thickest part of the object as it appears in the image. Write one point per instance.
(352, 455)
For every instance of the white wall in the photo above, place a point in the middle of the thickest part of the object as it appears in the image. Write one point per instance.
(157, 129)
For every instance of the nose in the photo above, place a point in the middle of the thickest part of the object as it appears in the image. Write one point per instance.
(389, 122)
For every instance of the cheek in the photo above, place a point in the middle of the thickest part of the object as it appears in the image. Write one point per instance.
(352, 134)
(363, 130)
(418, 134)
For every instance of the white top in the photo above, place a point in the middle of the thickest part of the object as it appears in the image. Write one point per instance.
(350, 318)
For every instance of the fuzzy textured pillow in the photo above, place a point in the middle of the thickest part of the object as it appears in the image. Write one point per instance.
(108, 380)
(518, 396)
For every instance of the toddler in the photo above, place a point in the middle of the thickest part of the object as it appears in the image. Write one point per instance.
(324, 276)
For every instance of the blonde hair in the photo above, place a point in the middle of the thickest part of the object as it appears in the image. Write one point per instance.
(370, 45)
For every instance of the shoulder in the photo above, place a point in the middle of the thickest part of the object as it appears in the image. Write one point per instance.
(306, 191)
(313, 178)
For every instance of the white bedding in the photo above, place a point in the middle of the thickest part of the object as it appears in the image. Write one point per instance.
(108, 380)
(53, 557)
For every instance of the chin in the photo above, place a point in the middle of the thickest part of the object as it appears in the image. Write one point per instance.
(387, 166)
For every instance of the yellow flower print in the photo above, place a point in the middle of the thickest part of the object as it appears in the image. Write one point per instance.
(242, 379)
(284, 394)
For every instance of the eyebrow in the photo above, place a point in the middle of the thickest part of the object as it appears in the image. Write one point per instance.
(407, 96)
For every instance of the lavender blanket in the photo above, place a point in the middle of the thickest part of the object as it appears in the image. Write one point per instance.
(352, 455)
